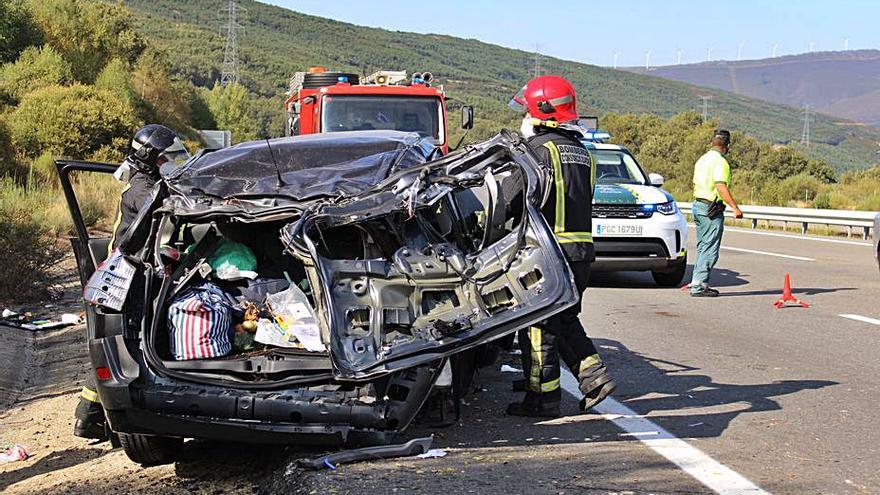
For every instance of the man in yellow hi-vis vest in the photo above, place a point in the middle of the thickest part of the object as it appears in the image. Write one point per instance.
(711, 192)
(550, 102)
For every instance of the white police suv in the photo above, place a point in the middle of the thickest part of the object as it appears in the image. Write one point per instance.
(636, 224)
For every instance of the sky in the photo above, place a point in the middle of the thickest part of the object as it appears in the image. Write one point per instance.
(592, 32)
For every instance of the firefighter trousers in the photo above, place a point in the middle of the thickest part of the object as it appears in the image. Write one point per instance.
(562, 336)
(89, 407)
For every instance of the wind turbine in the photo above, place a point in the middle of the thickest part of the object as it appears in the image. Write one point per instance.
(708, 54)
(739, 51)
(775, 46)
(616, 54)
(845, 44)
(680, 52)
(812, 45)
(648, 60)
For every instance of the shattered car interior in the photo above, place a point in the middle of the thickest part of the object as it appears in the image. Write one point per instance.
(315, 286)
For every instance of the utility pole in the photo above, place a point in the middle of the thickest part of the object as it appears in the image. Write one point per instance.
(739, 52)
(775, 46)
(705, 99)
(536, 69)
(616, 54)
(229, 72)
(805, 135)
(647, 60)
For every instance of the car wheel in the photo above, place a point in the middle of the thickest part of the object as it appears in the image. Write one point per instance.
(671, 278)
(150, 450)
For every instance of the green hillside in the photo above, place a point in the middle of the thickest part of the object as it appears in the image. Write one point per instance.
(277, 42)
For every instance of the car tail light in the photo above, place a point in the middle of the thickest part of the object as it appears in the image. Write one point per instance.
(103, 374)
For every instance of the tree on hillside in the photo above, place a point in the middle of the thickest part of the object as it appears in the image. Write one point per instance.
(230, 107)
(35, 69)
(165, 101)
(88, 34)
(17, 30)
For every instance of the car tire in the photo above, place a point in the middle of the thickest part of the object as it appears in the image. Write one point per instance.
(673, 277)
(149, 450)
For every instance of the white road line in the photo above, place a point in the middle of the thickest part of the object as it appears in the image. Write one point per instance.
(861, 318)
(708, 471)
(766, 253)
(793, 236)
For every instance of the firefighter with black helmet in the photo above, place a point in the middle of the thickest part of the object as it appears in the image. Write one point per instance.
(551, 106)
(151, 147)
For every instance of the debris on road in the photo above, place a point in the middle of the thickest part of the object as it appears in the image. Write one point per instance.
(415, 446)
(432, 454)
(28, 321)
(14, 453)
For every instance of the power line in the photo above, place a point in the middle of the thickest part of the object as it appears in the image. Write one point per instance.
(229, 72)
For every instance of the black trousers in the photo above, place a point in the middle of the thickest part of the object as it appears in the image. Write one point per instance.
(89, 406)
(563, 336)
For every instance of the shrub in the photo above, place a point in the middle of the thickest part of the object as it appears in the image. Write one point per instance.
(69, 121)
(35, 69)
(27, 246)
(88, 34)
(17, 30)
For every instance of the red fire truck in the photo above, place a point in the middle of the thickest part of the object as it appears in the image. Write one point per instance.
(323, 101)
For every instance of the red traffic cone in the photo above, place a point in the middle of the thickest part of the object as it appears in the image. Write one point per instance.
(787, 297)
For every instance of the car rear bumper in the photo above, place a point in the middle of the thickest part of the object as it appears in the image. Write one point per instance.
(137, 401)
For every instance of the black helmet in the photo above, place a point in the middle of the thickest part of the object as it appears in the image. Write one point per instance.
(154, 145)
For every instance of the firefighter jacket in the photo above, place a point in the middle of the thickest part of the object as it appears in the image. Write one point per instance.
(569, 206)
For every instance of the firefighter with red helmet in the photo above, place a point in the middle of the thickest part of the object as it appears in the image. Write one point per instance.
(551, 107)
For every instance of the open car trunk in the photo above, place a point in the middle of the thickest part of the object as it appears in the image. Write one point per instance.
(401, 259)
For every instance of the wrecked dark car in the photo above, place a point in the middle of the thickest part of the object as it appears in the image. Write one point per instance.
(373, 258)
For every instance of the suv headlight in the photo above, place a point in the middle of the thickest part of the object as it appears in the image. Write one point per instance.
(667, 208)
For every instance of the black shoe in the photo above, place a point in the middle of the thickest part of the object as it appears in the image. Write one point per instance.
(90, 430)
(705, 292)
(519, 385)
(534, 407)
(596, 385)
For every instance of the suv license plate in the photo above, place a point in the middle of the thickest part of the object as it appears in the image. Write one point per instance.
(633, 230)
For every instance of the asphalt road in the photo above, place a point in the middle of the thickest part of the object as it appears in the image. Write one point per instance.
(787, 398)
(781, 398)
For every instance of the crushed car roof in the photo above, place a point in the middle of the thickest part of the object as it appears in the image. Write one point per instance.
(331, 164)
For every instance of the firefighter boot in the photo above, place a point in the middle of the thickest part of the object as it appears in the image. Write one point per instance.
(595, 383)
(537, 405)
(90, 421)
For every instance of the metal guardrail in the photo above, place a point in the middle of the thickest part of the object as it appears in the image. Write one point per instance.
(803, 216)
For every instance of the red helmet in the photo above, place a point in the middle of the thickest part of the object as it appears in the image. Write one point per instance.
(547, 97)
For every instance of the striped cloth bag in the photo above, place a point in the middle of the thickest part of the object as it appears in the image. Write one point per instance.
(200, 323)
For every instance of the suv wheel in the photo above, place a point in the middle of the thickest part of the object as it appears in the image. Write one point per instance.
(671, 278)
(150, 450)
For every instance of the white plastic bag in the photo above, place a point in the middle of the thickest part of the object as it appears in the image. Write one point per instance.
(296, 318)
